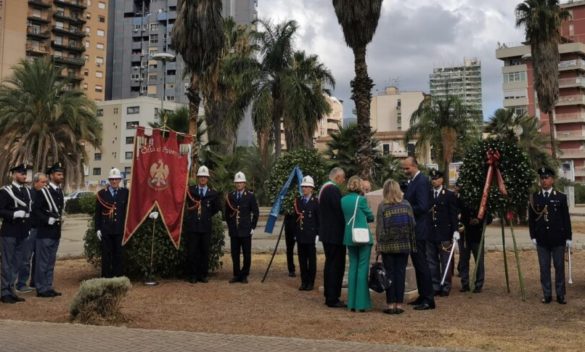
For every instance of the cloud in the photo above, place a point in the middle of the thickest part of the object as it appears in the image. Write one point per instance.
(412, 38)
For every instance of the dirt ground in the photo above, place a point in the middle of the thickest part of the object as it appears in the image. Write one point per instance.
(491, 320)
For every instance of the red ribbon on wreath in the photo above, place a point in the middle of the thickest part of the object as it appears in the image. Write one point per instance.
(493, 160)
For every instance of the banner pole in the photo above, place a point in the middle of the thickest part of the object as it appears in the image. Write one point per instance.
(150, 281)
(273, 252)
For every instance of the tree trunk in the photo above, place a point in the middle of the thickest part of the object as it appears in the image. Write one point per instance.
(551, 124)
(263, 144)
(449, 140)
(276, 136)
(361, 87)
(194, 101)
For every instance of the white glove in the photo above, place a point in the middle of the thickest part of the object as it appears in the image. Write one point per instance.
(27, 215)
(534, 241)
(456, 236)
(19, 214)
(252, 232)
(52, 221)
(99, 234)
(569, 244)
(153, 215)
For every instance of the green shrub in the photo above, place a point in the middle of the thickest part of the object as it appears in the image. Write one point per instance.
(72, 206)
(168, 262)
(310, 162)
(82, 205)
(98, 300)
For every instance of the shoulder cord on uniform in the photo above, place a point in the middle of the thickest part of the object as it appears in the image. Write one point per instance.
(235, 211)
(110, 207)
(538, 213)
(16, 200)
(300, 215)
(196, 203)
(50, 200)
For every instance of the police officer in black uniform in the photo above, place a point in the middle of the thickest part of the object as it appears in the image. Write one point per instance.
(443, 232)
(241, 215)
(110, 218)
(202, 205)
(306, 230)
(550, 230)
(15, 210)
(47, 210)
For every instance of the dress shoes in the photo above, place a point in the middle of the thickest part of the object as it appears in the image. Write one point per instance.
(309, 287)
(444, 294)
(7, 299)
(561, 300)
(303, 287)
(193, 280)
(338, 304)
(244, 280)
(56, 293)
(203, 280)
(292, 274)
(437, 293)
(416, 302)
(477, 290)
(425, 306)
(18, 299)
(546, 300)
(234, 280)
(47, 294)
(464, 288)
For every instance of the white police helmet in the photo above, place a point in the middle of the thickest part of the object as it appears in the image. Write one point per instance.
(240, 177)
(308, 182)
(115, 174)
(203, 171)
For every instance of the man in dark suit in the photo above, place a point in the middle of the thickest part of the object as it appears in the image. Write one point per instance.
(241, 215)
(306, 230)
(110, 218)
(202, 205)
(550, 230)
(15, 210)
(331, 231)
(443, 233)
(47, 210)
(418, 195)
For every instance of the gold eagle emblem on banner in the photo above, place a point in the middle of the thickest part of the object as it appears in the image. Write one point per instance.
(159, 172)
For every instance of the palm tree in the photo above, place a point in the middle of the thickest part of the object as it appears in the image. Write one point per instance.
(44, 121)
(525, 131)
(542, 21)
(198, 37)
(441, 124)
(359, 20)
(226, 85)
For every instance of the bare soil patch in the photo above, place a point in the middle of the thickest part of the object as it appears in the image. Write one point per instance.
(491, 320)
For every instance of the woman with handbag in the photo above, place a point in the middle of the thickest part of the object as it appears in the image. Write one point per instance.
(395, 240)
(359, 241)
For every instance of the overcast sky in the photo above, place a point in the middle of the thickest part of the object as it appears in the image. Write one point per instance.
(412, 38)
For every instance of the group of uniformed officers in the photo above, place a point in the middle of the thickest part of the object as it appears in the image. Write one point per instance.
(32, 219)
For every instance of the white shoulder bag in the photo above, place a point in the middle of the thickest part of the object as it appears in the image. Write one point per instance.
(358, 234)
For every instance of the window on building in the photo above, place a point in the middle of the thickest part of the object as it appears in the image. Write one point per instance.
(154, 39)
(153, 27)
(97, 171)
(133, 110)
(88, 30)
(129, 155)
(99, 74)
(99, 89)
(59, 24)
(515, 77)
(131, 125)
(100, 46)
(129, 140)
(386, 149)
(101, 5)
(116, 111)
(100, 112)
(85, 86)
(100, 33)
(97, 156)
(152, 77)
(127, 170)
(102, 19)
(137, 27)
(99, 60)
(86, 72)
(170, 97)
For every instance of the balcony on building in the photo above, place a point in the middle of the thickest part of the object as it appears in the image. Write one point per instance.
(37, 33)
(73, 77)
(69, 60)
(570, 135)
(76, 47)
(38, 18)
(572, 82)
(569, 65)
(71, 31)
(580, 171)
(77, 4)
(44, 4)
(571, 100)
(76, 18)
(572, 154)
(561, 118)
(36, 49)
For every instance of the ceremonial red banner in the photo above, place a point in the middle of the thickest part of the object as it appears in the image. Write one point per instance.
(159, 178)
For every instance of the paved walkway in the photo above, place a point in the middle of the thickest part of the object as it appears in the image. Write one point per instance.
(17, 336)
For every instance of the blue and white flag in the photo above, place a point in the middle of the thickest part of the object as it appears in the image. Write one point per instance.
(278, 201)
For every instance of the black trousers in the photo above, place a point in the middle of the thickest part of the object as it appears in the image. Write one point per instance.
(112, 255)
(395, 265)
(558, 259)
(241, 245)
(289, 237)
(198, 245)
(333, 271)
(307, 262)
(423, 274)
(437, 257)
(465, 252)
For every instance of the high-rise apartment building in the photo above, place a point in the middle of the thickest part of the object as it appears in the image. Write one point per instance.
(71, 32)
(138, 30)
(462, 81)
(569, 113)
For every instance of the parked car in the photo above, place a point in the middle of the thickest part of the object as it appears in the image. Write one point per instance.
(76, 195)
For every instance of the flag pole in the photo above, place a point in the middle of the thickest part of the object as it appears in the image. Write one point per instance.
(150, 280)
(273, 252)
